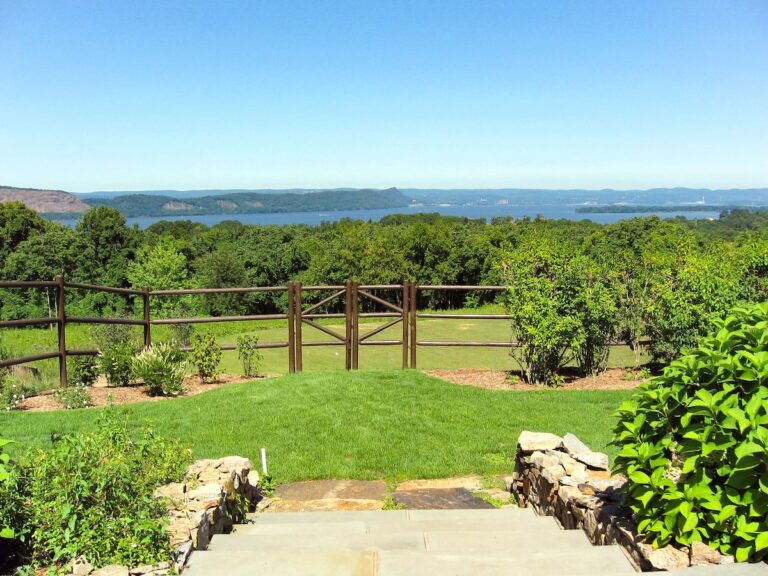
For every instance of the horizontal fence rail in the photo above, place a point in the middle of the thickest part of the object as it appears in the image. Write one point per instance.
(307, 308)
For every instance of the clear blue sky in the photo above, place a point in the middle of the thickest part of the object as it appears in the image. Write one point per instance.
(163, 94)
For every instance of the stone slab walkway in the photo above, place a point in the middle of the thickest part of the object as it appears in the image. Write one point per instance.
(357, 495)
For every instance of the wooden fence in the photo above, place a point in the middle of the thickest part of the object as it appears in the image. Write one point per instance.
(396, 304)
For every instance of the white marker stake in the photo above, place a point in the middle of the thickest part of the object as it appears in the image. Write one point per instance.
(264, 461)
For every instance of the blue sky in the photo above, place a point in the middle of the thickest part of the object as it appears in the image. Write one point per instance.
(544, 94)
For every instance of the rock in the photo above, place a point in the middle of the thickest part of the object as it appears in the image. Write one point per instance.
(566, 493)
(573, 445)
(209, 493)
(571, 465)
(596, 460)
(532, 441)
(702, 555)
(81, 566)
(182, 555)
(175, 491)
(112, 570)
(543, 460)
(553, 473)
(150, 569)
(666, 558)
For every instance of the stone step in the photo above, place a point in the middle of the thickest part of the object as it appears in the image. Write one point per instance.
(377, 515)
(610, 562)
(282, 563)
(507, 525)
(488, 543)
(403, 563)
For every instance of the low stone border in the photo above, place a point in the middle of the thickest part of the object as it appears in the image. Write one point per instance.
(562, 477)
(211, 498)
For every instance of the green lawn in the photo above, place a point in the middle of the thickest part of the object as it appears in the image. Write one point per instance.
(366, 425)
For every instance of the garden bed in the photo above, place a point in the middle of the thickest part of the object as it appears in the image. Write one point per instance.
(613, 379)
(102, 395)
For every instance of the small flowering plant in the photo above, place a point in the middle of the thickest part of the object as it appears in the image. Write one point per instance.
(74, 396)
(12, 393)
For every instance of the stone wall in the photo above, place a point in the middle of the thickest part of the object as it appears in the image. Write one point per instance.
(561, 477)
(211, 498)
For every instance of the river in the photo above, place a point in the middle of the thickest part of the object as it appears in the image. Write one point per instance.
(554, 211)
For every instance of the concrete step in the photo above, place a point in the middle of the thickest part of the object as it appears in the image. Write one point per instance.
(396, 563)
(403, 563)
(485, 543)
(282, 563)
(741, 569)
(510, 524)
(378, 515)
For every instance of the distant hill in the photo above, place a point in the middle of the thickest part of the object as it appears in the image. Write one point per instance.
(44, 200)
(137, 205)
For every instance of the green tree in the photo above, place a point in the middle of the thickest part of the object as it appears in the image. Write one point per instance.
(160, 267)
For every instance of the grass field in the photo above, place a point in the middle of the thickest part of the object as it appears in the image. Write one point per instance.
(275, 361)
(370, 424)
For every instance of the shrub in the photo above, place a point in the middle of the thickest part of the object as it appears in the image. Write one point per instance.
(12, 392)
(106, 335)
(74, 396)
(694, 442)
(92, 494)
(206, 356)
(161, 367)
(115, 363)
(249, 355)
(83, 370)
(5, 530)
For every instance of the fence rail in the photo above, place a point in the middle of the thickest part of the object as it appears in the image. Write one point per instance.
(305, 311)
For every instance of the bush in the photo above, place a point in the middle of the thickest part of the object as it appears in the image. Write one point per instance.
(83, 370)
(206, 356)
(12, 392)
(161, 367)
(5, 530)
(249, 355)
(115, 363)
(181, 334)
(92, 494)
(74, 396)
(694, 442)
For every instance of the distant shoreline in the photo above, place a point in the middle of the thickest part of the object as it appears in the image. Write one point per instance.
(627, 209)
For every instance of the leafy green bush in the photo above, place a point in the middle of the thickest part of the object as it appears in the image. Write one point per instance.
(249, 355)
(161, 367)
(83, 370)
(694, 442)
(115, 362)
(92, 494)
(206, 356)
(73, 396)
(5, 530)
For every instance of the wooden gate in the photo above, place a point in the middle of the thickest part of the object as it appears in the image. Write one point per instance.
(351, 294)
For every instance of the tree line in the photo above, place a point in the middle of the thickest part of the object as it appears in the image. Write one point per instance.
(574, 286)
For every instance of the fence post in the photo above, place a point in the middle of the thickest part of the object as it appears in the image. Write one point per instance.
(355, 325)
(291, 329)
(406, 316)
(62, 326)
(413, 302)
(298, 335)
(348, 325)
(147, 320)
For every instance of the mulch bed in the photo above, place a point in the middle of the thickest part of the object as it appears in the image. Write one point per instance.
(613, 379)
(102, 395)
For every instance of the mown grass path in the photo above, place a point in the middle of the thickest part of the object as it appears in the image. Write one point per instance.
(363, 425)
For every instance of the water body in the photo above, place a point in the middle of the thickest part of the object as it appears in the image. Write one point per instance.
(553, 211)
